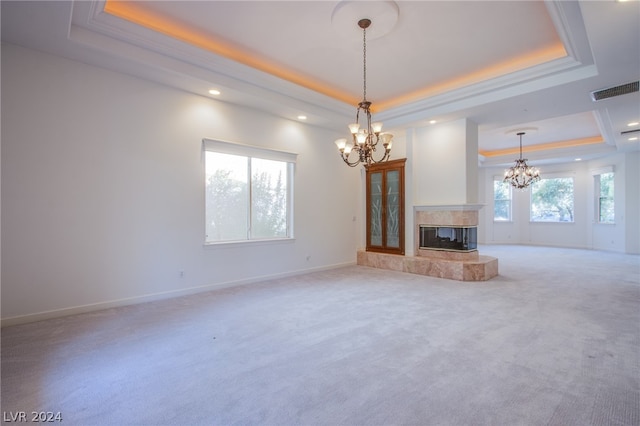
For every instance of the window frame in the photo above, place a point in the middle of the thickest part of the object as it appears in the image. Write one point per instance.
(597, 192)
(250, 152)
(550, 177)
(500, 179)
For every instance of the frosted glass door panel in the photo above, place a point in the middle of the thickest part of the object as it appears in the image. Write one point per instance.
(376, 209)
(393, 208)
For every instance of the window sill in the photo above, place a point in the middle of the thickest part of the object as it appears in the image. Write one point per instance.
(232, 244)
(542, 222)
(503, 221)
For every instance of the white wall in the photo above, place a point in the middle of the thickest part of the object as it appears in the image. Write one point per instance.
(584, 232)
(632, 202)
(444, 161)
(608, 236)
(103, 190)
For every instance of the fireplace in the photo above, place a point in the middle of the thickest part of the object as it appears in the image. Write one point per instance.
(447, 232)
(448, 238)
(445, 239)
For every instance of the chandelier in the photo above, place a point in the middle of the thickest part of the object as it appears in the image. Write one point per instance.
(521, 175)
(364, 141)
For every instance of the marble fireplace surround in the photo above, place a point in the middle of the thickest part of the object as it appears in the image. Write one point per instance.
(461, 266)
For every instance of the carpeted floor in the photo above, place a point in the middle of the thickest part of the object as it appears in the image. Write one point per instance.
(554, 340)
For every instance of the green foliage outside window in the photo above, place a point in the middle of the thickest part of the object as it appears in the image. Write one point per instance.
(552, 200)
(226, 209)
(606, 210)
(230, 204)
(268, 199)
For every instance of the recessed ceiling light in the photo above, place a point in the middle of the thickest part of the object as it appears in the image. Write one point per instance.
(432, 122)
(578, 159)
(302, 117)
(214, 92)
(634, 123)
(633, 138)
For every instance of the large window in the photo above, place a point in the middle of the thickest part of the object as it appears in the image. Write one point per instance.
(552, 200)
(501, 200)
(604, 194)
(248, 192)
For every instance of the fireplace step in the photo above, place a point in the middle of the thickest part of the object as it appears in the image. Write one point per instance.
(482, 268)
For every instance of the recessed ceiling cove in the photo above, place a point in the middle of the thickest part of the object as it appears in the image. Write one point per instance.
(415, 54)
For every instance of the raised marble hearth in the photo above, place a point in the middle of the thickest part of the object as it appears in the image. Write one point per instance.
(465, 264)
(481, 269)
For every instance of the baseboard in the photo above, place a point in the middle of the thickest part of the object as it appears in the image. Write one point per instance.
(533, 244)
(542, 245)
(75, 310)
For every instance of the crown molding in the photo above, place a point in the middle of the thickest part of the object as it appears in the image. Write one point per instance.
(154, 56)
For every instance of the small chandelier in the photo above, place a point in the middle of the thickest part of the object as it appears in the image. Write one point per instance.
(364, 140)
(521, 175)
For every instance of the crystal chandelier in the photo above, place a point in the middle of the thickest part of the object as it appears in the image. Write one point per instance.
(364, 140)
(521, 175)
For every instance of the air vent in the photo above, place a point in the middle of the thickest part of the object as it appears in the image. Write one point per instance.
(626, 132)
(623, 89)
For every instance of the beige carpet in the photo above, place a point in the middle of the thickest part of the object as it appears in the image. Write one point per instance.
(554, 340)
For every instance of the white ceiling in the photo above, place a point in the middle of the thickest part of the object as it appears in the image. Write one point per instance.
(507, 65)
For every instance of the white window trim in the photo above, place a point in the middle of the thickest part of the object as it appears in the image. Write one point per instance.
(248, 151)
(602, 170)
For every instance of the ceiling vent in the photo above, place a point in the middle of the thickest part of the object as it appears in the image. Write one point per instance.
(623, 89)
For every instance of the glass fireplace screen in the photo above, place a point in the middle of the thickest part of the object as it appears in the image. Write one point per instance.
(454, 238)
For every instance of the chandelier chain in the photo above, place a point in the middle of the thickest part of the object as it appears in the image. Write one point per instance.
(365, 135)
(364, 62)
(520, 134)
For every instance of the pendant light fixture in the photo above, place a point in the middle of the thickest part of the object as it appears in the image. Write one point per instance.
(364, 140)
(521, 175)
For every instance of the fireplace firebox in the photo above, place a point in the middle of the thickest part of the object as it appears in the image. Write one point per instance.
(449, 238)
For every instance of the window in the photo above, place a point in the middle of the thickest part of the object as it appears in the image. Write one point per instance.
(552, 200)
(501, 200)
(604, 194)
(248, 192)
